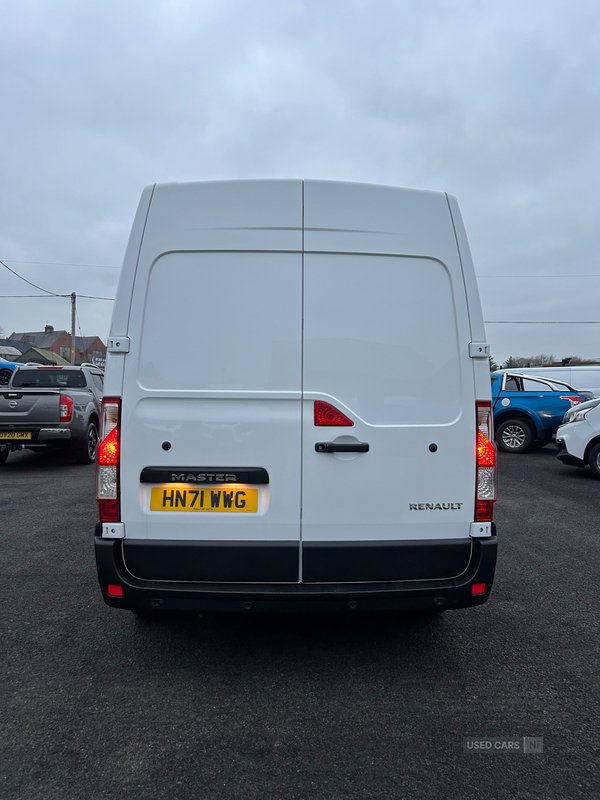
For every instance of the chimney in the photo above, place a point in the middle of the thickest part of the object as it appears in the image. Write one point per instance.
(49, 329)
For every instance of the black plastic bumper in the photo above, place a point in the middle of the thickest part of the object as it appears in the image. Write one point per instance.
(567, 458)
(161, 596)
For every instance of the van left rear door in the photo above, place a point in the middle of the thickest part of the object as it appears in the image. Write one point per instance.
(211, 437)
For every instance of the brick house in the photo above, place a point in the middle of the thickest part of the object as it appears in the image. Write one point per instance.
(90, 348)
(87, 348)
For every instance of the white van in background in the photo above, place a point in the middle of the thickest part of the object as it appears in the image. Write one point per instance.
(297, 405)
(586, 378)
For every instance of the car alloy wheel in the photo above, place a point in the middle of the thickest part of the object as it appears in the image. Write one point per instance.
(513, 436)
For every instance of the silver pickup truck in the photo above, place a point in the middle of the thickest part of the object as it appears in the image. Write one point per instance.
(46, 407)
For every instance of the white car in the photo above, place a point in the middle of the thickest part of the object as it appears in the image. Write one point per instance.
(578, 438)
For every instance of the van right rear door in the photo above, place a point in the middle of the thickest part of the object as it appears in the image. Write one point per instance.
(386, 343)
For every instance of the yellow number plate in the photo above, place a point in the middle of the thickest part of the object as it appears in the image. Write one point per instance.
(171, 498)
(15, 434)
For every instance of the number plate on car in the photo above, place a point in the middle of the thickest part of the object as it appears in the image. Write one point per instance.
(15, 434)
(218, 500)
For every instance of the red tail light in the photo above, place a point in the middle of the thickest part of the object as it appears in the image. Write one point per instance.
(574, 399)
(486, 453)
(485, 493)
(107, 469)
(108, 452)
(326, 414)
(66, 408)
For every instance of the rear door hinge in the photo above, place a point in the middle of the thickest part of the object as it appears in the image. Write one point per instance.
(113, 530)
(479, 350)
(481, 530)
(118, 344)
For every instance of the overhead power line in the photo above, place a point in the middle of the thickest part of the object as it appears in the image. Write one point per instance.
(48, 292)
(35, 286)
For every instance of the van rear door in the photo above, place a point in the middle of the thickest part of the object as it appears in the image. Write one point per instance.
(386, 343)
(211, 437)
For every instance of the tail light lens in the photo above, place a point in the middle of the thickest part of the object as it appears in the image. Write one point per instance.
(66, 408)
(107, 470)
(326, 414)
(486, 464)
(574, 399)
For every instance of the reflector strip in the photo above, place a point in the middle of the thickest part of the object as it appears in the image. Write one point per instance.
(478, 588)
(109, 510)
(114, 590)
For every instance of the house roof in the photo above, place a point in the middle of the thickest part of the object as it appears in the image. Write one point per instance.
(36, 353)
(22, 347)
(39, 338)
(83, 342)
(46, 340)
(7, 351)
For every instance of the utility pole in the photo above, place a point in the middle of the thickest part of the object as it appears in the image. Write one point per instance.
(73, 313)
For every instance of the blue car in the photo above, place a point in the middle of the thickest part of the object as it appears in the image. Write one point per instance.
(528, 410)
(6, 370)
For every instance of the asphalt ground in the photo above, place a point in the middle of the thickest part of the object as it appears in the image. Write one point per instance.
(100, 704)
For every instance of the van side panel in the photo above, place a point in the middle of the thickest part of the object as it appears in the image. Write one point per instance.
(481, 369)
(115, 363)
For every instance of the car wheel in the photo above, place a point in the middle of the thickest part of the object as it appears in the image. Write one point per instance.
(5, 376)
(3, 456)
(594, 459)
(87, 451)
(514, 436)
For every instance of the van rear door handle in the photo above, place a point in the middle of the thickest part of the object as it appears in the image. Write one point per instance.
(342, 447)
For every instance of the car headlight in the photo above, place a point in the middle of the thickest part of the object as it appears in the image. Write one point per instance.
(575, 416)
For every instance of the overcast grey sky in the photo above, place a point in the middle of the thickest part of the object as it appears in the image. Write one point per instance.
(496, 103)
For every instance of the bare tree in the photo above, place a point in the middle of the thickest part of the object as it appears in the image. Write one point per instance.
(514, 362)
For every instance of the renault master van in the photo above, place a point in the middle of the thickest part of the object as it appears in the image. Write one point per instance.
(297, 408)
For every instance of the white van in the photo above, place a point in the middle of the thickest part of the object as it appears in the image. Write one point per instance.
(297, 408)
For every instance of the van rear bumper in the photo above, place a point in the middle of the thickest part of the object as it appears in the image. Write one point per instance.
(160, 596)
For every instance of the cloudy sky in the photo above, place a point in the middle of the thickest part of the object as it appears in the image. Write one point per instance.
(495, 102)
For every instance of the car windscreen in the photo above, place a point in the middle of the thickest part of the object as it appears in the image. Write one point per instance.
(48, 379)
